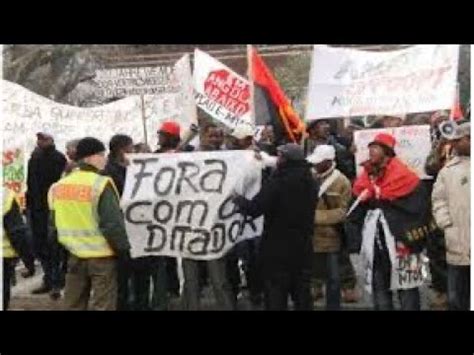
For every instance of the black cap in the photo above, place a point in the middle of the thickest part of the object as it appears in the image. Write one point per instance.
(89, 146)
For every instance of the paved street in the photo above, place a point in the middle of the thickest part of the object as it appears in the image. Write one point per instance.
(23, 300)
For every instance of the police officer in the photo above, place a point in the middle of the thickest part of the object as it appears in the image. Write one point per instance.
(88, 222)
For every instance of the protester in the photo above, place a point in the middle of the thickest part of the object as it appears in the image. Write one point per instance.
(45, 167)
(242, 138)
(391, 213)
(116, 169)
(141, 148)
(334, 196)
(86, 219)
(71, 156)
(451, 209)
(393, 121)
(14, 243)
(154, 277)
(267, 141)
(288, 203)
(319, 134)
(440, 154)
(120, 145)
(212, 140)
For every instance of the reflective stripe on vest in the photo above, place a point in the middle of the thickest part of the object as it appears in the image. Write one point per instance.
(8, 199)
(75, 201)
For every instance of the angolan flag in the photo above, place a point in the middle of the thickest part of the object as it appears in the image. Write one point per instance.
(271, 104)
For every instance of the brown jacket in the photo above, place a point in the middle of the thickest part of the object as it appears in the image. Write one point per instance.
(331, 211)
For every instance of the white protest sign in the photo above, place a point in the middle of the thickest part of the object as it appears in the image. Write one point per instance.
(178, 106)
(221, 92)
(413, 145)
(349, 82)
(181, 204)
(122, 82)
(409, 271)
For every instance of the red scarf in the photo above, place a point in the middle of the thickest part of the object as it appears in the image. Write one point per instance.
(396, 181)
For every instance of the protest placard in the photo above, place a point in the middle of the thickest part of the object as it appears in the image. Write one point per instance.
(413, 146)
(221, 92)
(409, 271)
(348, 82)
(26, 113)
(181, 204)
(178, 106)
(123, 82)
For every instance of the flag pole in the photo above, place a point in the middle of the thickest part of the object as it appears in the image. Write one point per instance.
(252, 86)
(454, 106)
(142, 97)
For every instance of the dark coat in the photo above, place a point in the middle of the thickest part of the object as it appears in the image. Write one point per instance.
(16, 229)
(288, 202)
(45, 167)
(409, 219)
(117, 173)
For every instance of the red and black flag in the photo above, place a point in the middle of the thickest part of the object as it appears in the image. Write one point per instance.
(271, 104)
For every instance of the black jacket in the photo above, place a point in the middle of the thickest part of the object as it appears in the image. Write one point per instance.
(288, 202)
(409, 219)
(117, 173)
(17, 232)
(45, 167)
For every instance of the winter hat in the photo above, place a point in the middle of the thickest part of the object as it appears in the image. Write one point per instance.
(89, 146)
(384, 139)
(242, 131)
(291, 151)
(171, 128)
(321, 153)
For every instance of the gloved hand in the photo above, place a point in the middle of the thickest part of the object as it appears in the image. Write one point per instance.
(238, 200)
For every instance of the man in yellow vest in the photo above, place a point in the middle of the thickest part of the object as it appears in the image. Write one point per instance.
(88, 222)
(14, 243)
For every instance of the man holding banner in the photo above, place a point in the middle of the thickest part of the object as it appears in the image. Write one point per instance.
(288, 202)
(216, 268)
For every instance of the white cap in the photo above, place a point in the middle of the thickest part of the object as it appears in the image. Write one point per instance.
(243, 130)
(321, 153)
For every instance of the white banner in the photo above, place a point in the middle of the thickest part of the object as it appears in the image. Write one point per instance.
(122, 82)
(167, 90)
(178, 106)
(221, 92)
(349, 82)
(413, 145)
(26, 113)
(181, 204)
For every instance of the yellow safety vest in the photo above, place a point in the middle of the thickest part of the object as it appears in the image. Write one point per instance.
(74, 200)
(8, 199)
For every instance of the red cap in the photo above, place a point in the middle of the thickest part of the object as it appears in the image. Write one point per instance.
(171, 128)
(385, 139)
